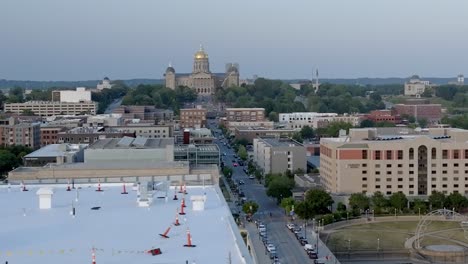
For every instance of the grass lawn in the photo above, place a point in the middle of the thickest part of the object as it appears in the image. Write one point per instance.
(389, 235)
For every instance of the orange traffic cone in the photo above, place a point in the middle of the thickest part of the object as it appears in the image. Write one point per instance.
(183, 202)
(124, 189)
(180, 188)
(165, 233)
(189, 240)
(68, 186)
(176, 223)
(175, 194)
(185, 188)
(93, 257)
(182, 210)
(99, 187)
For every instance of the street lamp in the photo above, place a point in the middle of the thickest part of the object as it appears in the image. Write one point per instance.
(378, 244)
(349, 245)
(395, 212)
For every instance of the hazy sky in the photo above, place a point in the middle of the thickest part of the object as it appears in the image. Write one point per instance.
(122, 39)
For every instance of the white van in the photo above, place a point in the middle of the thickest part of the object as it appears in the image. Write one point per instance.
(309, 247)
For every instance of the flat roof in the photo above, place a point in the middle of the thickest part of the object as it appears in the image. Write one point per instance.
(119, 231)
(244, 109)
(130, 143)
(203, 148)
(274, 142)
(55, 150)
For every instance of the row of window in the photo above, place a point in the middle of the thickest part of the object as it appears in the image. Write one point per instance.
(456, 154)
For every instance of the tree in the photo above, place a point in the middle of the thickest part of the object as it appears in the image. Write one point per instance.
(359, 201)
(280, 187)
(367, 123)
(297, 137)
(307, 132)
(28, 112)
(422, 122)
(340, 207)
(242, 152)
(419, 206)
(456, 201)
(428, 92)
(437, 200)
(273, 116)
(316, 202)
(250, 207)
(7, 161)
(288, 203)
(398, 200)
(379, 202)
(334, 128)
(227, 171)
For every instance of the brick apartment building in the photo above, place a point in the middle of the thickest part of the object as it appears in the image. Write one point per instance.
(431, 112)
(192, 118)
(22, 134)
(245, 114)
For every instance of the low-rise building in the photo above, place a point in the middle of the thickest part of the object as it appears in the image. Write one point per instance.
(12, 133)
(194, 136)
(104, 120)
(416, 164)
(49, 134)
(88, 135)
(197, 154)
(147, 130)
(279, 155)
(231, 125)
(245, 114)
(47, 108)
(145, 112)
(383, 116)
(130, 149)
(192, 118)
(249, 133)
(55, 154)
(315, 120)
(431, 112)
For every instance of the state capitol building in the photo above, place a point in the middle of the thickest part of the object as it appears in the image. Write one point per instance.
(202, 79)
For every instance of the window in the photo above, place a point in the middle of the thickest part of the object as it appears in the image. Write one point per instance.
(433, 179)
(389, 193)
(389, 165)
(444, 165)
(400, 179)
(455, 172)
(433, 172)
(411, 172)
(456, 154)
(444, 179)
(455, 186)
(400, 154)
(389, 186)
(455, 178)
(377, 179)
(377, 186)
(364, 154)
(377, 154)
(364, 186)
(444, 172)
(400, 186)
(377, 165)
(445, 154)
(434, 153)
(411, 192)
(411, 186)
(433, 165)
(399, 172)
(466, 154)
(388, 154)
(364, 165)
(411, 153)
(400, 165)
(364, 178)
(444, 185)
(377, 173)
(455, 164)
(433, 186)
(389, 173)
(389, 179)
(364, 172)
(411, 179)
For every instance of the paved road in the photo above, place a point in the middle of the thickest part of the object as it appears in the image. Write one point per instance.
(116, 103)
(288, 248)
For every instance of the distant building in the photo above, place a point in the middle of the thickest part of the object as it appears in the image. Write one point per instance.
(231, 125)
(249, 133)
(55, 154)
(144, 112)
(194, 136)
(201, 79)
(383, 116)
(49, 134)
(415, 86)
(88, 135)
(47, 108)
(459, 81)
(315, 120)
(192, 118)
(69, 96)
(431, 112)
(104, 84)
(104, 120)
(245, 114)
(130, 149)
(22, 134)
(147, 131)
(279, 155)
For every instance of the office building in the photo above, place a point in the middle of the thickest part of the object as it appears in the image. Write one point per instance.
(147, 130)
(415, 163)
(274, 155)
(144, 112)
(245, 114)
(315, 120)
(431, 112)
(80, 95)
(197, 154)
(192, 118)
(88, 135)
(47, 108)
(49, 134)
(249, 133)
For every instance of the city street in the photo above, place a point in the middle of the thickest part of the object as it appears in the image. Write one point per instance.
(288, 249)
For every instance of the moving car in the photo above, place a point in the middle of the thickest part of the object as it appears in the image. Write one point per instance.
(251, 177)
(235, 164)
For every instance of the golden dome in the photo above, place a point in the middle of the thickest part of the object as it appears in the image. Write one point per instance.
(201, 54)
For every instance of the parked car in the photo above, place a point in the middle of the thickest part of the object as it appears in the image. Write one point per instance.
(290, 226)
(303, 241)
(271, 247)
(251, 177)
